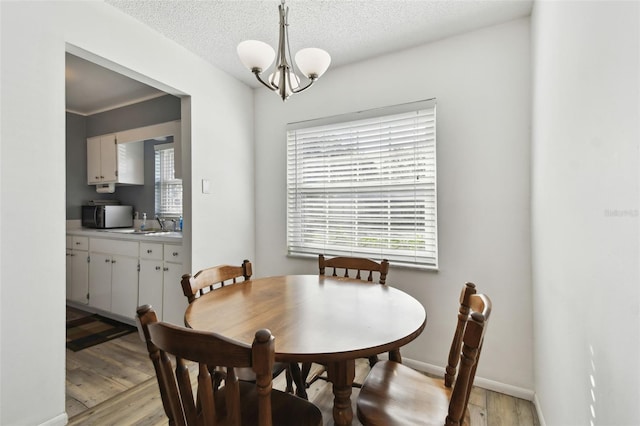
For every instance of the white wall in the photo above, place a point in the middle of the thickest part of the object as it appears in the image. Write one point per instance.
(482, 84)
(32, 286)
(585, 180)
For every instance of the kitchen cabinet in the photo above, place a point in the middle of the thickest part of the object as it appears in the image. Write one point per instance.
(100, 281)
(151, 280)
(113, 276)
(111, 162)
(173, 300)
(116, 275)
(124, 286)
(77, 269)
(159, 283)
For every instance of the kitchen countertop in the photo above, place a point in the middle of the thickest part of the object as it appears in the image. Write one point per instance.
(129, 234)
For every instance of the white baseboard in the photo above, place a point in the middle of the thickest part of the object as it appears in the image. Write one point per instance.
(504, 388)
(94, 310)
(59, 420)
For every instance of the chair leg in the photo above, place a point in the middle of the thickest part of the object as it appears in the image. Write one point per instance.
(308, 381)
(306, 368)
(289, 388)
(296, 375)
(372, 360)
(394, 355)
(217, 377)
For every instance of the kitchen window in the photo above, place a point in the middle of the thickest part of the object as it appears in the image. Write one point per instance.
(364, 184)
(168, 189)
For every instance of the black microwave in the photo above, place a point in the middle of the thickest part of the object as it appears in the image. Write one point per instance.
(109, 216)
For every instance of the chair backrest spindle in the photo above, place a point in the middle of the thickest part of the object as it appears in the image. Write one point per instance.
(454, 353)
(357, 264)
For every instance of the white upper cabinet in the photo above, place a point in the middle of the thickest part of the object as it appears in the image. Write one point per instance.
(95, 148)
(111, 162)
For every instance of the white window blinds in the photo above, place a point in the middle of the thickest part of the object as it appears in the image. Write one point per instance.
(365, 185)
(168, 192)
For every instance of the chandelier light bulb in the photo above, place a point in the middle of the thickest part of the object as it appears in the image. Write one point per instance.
(256, 54)
(294, 80)
(313, 61)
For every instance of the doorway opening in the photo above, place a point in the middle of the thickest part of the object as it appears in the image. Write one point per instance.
(103, 97)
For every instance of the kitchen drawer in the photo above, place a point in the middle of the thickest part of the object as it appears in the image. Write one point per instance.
(173, 253)
(122, 248)
(151, 251)
(79, 243)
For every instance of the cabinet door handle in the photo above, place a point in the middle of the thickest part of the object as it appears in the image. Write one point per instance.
(77, 243)
(175, 253)
(113, 261)
(165, 269)
(149, 251)
(157, 268)
(107, 260)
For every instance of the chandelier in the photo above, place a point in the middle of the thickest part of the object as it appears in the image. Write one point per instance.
(257, 56)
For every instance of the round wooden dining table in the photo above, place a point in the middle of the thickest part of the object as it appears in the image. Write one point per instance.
(329, 320)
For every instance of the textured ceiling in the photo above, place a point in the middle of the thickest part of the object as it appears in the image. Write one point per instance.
(350, 30)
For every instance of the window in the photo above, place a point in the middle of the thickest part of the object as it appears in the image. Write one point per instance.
(365, 185)
(168, 188)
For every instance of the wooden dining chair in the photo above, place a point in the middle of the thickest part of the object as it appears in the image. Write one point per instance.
(356, 266)
(350, 267)
(236, 403)
(215, 277)
(353, 267)
(394, 394)
(212, 278)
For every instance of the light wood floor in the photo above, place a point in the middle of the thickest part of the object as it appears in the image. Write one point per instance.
(114, 384)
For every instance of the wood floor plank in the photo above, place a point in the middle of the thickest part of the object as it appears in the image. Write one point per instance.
(133, 343)
(72, 362)
(478, 397)
(502, 409)
(526, 412)
(477, 415)
(116, 354)
(91, 389)
(113, 362)
(140, 403)
(74, 407)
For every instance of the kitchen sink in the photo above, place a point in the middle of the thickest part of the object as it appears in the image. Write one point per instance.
(128, 231)
(149, 232)
(163, 233)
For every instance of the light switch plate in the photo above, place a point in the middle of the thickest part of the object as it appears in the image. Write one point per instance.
(206, 186)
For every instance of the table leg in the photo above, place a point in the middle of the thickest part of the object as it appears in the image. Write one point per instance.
(341, 374)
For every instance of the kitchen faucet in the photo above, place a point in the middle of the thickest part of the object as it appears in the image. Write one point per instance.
(161, 222)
